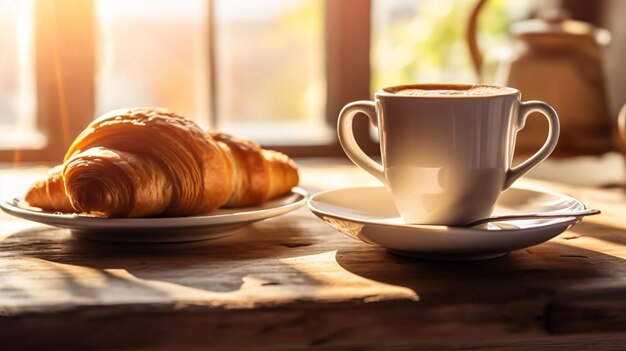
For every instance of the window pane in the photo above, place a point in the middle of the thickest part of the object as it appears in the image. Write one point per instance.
(18, 128)
(424, 41)
(270, 70)
(153, 53)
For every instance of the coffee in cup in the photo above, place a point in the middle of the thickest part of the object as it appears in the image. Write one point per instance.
(446, 148)
(446, 90)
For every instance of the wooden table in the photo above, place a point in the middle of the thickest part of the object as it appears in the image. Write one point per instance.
(294, 283)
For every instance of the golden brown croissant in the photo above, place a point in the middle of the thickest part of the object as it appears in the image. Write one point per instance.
(146, 162)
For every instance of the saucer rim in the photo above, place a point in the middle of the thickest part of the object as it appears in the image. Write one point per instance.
(427, 227)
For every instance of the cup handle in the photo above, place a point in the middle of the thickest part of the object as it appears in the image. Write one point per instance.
(526, 108)
(349, 143)
(621, 124)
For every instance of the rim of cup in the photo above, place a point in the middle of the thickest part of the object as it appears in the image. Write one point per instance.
(391, 91)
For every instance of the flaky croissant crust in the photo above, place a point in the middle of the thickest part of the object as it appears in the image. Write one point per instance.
(145, 162)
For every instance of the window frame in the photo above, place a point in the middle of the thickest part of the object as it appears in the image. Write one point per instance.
(65, 75)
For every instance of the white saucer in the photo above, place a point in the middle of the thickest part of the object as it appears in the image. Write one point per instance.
(219, 223)
(368, 214)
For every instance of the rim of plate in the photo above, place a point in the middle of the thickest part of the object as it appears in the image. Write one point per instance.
(553, 221)
(247, 214)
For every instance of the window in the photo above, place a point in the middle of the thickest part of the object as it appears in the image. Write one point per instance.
(424, 41)
(153, 53)
(271, 88)
(18, 122)
(53, 100)
(277, 71)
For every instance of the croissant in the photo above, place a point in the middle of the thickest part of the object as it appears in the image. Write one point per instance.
(148, 162)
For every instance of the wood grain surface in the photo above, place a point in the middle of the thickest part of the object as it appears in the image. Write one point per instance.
(292, 282)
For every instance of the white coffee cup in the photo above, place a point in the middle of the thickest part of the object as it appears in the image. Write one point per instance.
(446, 148)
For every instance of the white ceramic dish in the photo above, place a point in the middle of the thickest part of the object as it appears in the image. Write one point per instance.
(368, 214)
(219, 223)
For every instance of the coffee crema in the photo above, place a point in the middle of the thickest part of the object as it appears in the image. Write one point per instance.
(447, 90)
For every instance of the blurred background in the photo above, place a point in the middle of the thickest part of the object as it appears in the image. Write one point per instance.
(277, 71)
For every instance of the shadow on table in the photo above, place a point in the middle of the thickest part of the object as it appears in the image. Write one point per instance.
(219, 265)
(601, 231)
(537, 271)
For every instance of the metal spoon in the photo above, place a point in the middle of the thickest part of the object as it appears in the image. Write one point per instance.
(580, 213)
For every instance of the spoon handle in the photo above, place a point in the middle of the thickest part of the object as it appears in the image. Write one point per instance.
(580, 213)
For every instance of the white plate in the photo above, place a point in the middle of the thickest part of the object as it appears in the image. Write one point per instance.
(217, 224)
(368, 214)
